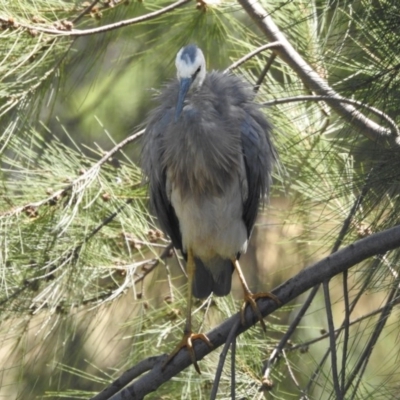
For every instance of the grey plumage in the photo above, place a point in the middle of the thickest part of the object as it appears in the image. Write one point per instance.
(208, 156)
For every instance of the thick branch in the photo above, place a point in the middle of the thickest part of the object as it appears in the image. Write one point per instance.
(325, 269)
(310, 77)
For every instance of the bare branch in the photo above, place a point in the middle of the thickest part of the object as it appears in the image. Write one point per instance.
(345, 227)
(291, 373)
(332, 340)
(394, 302)
(222, 357)
(264, 72)
(362, 290)
(288, 334)
(346, 333)
(126, 377)
(101, 29)
(85, 11)
(325, 269)
(247, 57)
(338, 99)
(364, 357)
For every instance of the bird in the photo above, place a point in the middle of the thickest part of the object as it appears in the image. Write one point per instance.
(208, 157)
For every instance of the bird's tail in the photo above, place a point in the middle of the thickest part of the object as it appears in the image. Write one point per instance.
(215, 275)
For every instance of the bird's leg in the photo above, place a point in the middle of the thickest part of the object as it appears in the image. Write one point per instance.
(251, 298)
(188, 335)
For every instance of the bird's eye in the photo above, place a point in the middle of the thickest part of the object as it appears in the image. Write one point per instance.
(194, 76)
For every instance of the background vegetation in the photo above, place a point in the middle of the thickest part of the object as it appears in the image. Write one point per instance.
(83, 292)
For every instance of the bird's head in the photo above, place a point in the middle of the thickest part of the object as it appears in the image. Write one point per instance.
(191, 71)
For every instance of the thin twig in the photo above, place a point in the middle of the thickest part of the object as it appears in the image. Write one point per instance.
(233, 369)
(106, 221)
(101, 29)
(332, 341)
(207, 303)
(353, 305)
(338, 330)
(222, 358)
(17, 292)
(288, 334)
(178, 259)
(153, 263)
(346, 225)
(85, 11)
(363, 360)
(264, 72)
(60, 193)
(170, 286)
(346, 334)
(337, 99)
(250, 55)
(291, 373)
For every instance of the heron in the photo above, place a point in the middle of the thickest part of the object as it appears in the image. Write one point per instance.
(208, 156)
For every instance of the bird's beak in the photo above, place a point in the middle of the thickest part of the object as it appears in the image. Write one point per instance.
(184, 88)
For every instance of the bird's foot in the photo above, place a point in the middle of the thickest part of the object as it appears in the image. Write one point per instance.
(251, 299)
(187, 341)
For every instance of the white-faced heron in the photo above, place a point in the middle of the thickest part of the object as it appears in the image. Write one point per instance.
(208, 156)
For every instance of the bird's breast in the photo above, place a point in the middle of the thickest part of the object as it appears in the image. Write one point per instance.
(211, 225)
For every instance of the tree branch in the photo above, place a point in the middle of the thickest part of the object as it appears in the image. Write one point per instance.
(247, 57)
(325, 269)
(60, 193)
(337, 99)
(395, 302)
(101, 29)
(126, 377)
(338, 242)
(310, 77)
(85, 11)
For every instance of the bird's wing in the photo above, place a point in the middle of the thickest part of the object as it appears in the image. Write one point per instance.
(152, 164)
(258, 156)
(166, 215)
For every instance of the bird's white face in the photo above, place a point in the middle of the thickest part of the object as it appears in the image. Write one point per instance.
(190, 64)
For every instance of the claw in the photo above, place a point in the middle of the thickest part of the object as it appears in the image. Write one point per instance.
(187, 341)
(251, 299)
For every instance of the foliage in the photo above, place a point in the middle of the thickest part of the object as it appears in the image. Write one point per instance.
(82, 298)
